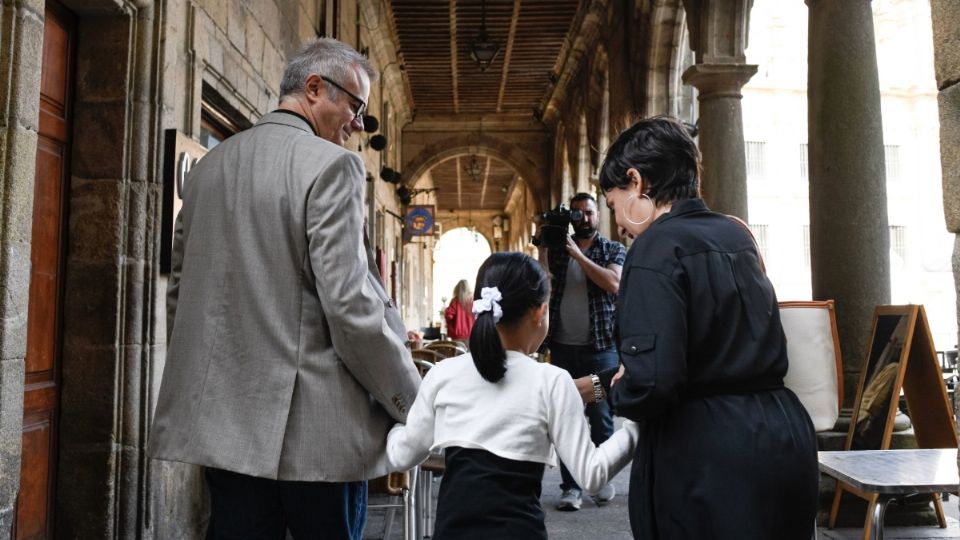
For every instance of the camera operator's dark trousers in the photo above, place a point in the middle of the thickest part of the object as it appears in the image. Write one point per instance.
(580, 361)
(249, 508)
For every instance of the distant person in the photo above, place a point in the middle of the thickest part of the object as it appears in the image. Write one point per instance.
(585, 274)
(725, 450)
(286, 364)
(501, 416)
(459, 314)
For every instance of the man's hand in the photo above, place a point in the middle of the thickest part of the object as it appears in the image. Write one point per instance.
(573, 249)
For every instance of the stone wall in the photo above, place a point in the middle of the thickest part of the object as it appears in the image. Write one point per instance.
(946, 40)
(946, 46)
(21, 43)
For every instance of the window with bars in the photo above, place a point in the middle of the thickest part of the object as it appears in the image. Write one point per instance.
(806, 245)
(760, 233)
(898, 243)
(804, 161)
(892, 158)
(756, 159)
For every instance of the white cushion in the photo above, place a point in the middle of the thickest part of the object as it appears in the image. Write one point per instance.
(812, 371)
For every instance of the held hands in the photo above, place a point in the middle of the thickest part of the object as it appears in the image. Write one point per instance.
(585, 387)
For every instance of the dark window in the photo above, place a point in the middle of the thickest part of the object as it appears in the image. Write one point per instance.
(218, 119)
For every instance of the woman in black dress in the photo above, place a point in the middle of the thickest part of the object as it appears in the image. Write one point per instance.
(725, 450)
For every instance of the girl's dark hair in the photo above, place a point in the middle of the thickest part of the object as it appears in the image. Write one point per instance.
(524, 286)
(661, 149)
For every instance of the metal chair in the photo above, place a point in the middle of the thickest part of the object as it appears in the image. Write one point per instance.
(435, 464)
(402, 490)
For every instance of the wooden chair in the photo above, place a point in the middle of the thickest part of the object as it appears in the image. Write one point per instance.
(815, 371)
(813, 348)
(426, 355)
(448, 349)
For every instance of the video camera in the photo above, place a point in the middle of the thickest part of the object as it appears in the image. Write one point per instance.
(555, 226)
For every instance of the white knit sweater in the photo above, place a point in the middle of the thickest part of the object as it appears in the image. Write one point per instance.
(533, 414)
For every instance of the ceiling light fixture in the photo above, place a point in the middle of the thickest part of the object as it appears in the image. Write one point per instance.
(474, 169)
(483, 50)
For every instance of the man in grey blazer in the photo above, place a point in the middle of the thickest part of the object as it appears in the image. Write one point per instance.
(286, 364)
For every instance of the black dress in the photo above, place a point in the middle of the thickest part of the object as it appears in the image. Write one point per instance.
(725, 451)
(484, 496)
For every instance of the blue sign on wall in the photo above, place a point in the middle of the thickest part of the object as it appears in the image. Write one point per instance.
(419, 220)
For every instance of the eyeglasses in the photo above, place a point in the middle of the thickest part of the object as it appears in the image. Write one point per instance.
(361, 108)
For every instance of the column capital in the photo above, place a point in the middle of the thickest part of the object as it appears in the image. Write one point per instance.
(719, 80)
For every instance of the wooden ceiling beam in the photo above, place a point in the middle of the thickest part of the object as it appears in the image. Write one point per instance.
(507, 53)
(459, 185)
(453, 55)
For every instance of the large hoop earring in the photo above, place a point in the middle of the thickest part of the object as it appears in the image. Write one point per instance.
(627, 217)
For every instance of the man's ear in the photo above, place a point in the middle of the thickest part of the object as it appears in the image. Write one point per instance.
(312, 87)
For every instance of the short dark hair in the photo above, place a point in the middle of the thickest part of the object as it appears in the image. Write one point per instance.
(523, 286)
(582, 196)
(661, 149)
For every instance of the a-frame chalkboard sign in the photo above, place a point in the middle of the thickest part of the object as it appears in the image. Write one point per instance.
(901, 356)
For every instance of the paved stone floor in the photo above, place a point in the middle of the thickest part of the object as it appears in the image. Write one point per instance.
(611, 522)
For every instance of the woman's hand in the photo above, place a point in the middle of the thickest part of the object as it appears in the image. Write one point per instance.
(616, 377)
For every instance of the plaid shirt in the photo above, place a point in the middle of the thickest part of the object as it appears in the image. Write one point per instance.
(603, 252)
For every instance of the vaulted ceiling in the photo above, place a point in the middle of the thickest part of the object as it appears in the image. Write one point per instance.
(435, 38)
(463, 190)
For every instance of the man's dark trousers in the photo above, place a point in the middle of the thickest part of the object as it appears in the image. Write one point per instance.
(580, 361)
(249, 508)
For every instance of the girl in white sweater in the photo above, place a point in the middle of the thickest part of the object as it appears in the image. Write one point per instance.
(501, 416)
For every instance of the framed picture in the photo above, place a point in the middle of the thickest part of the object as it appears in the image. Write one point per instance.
(180, 154)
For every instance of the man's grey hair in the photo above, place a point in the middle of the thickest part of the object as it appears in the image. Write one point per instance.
(327, 57)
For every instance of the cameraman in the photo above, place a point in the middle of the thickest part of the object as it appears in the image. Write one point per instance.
(585, 272)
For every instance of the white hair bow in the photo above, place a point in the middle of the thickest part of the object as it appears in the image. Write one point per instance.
(489, 301)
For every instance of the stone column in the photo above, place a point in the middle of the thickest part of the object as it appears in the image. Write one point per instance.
(849, 236)
(724, 181)
(718, 36)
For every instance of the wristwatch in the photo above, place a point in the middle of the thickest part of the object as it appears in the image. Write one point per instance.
(598, 394)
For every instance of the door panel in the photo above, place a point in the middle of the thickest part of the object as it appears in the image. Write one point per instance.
(34, 516)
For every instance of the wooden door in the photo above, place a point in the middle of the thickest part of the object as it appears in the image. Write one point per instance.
(34, 517)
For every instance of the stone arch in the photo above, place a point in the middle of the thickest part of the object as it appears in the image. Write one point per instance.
(667, 30)
(597, 104)
(468, 143)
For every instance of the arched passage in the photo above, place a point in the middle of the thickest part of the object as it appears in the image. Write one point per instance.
(458, 255)
(526, 155)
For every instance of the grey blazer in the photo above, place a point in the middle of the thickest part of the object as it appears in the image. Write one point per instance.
(286, 357)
